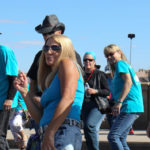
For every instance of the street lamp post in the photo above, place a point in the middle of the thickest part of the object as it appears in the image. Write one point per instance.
(131, 36)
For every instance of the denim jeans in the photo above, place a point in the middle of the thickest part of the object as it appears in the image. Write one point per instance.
(111, 119)
(119, 130)
(67, 137)
(92, 119)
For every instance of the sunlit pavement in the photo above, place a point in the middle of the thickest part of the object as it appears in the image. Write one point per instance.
(138, 141)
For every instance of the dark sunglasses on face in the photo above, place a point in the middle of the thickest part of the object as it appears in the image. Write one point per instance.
(110, 54)
(52, 47)
(85, 60)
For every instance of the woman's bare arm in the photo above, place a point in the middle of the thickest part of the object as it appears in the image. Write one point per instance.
(68, 75)
(21, 84)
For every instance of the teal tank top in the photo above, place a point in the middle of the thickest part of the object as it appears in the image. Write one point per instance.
(51, 97)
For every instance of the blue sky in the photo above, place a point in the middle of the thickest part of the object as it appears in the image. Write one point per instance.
(90, 24)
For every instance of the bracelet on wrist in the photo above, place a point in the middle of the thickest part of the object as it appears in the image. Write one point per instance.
(119, 101)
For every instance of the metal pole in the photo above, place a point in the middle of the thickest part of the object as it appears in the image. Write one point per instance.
(130, 50)
(131, 36)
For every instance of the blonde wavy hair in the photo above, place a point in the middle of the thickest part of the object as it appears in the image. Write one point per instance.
(112, 48)
(46, 73)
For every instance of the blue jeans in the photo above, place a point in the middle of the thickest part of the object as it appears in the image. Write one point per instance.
(111, 119)
(119, 130)
(67, 137)
(92, 119)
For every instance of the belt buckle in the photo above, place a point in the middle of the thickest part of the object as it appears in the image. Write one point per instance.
(74, 122)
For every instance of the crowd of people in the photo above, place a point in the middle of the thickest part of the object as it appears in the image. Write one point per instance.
(58, 92)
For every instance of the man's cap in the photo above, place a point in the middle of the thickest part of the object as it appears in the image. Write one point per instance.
(50, 24)
(92, 54)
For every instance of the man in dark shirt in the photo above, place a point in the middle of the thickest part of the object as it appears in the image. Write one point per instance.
(50, 25)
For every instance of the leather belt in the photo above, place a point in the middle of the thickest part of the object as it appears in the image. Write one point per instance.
(72, 122)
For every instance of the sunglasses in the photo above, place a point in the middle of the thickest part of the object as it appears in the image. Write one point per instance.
(52, 47)
(85, 60)
(110, 54)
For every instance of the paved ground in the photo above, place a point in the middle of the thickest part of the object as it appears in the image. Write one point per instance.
(27, 131)
(10, 138)
(138, 137)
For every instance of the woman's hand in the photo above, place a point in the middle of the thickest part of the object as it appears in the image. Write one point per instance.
(116, 109)
(48, 140)
(21, 84)
(91, 91)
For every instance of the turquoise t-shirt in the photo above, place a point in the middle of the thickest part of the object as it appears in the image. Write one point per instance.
(8, 67)
(52, 96)
(21, 101)
(134, 100)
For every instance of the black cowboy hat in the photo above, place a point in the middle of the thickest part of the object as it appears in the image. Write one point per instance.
(50, 24)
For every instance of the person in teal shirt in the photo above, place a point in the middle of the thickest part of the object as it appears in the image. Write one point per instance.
(127, 92)
(133, 101)
(8, 72)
